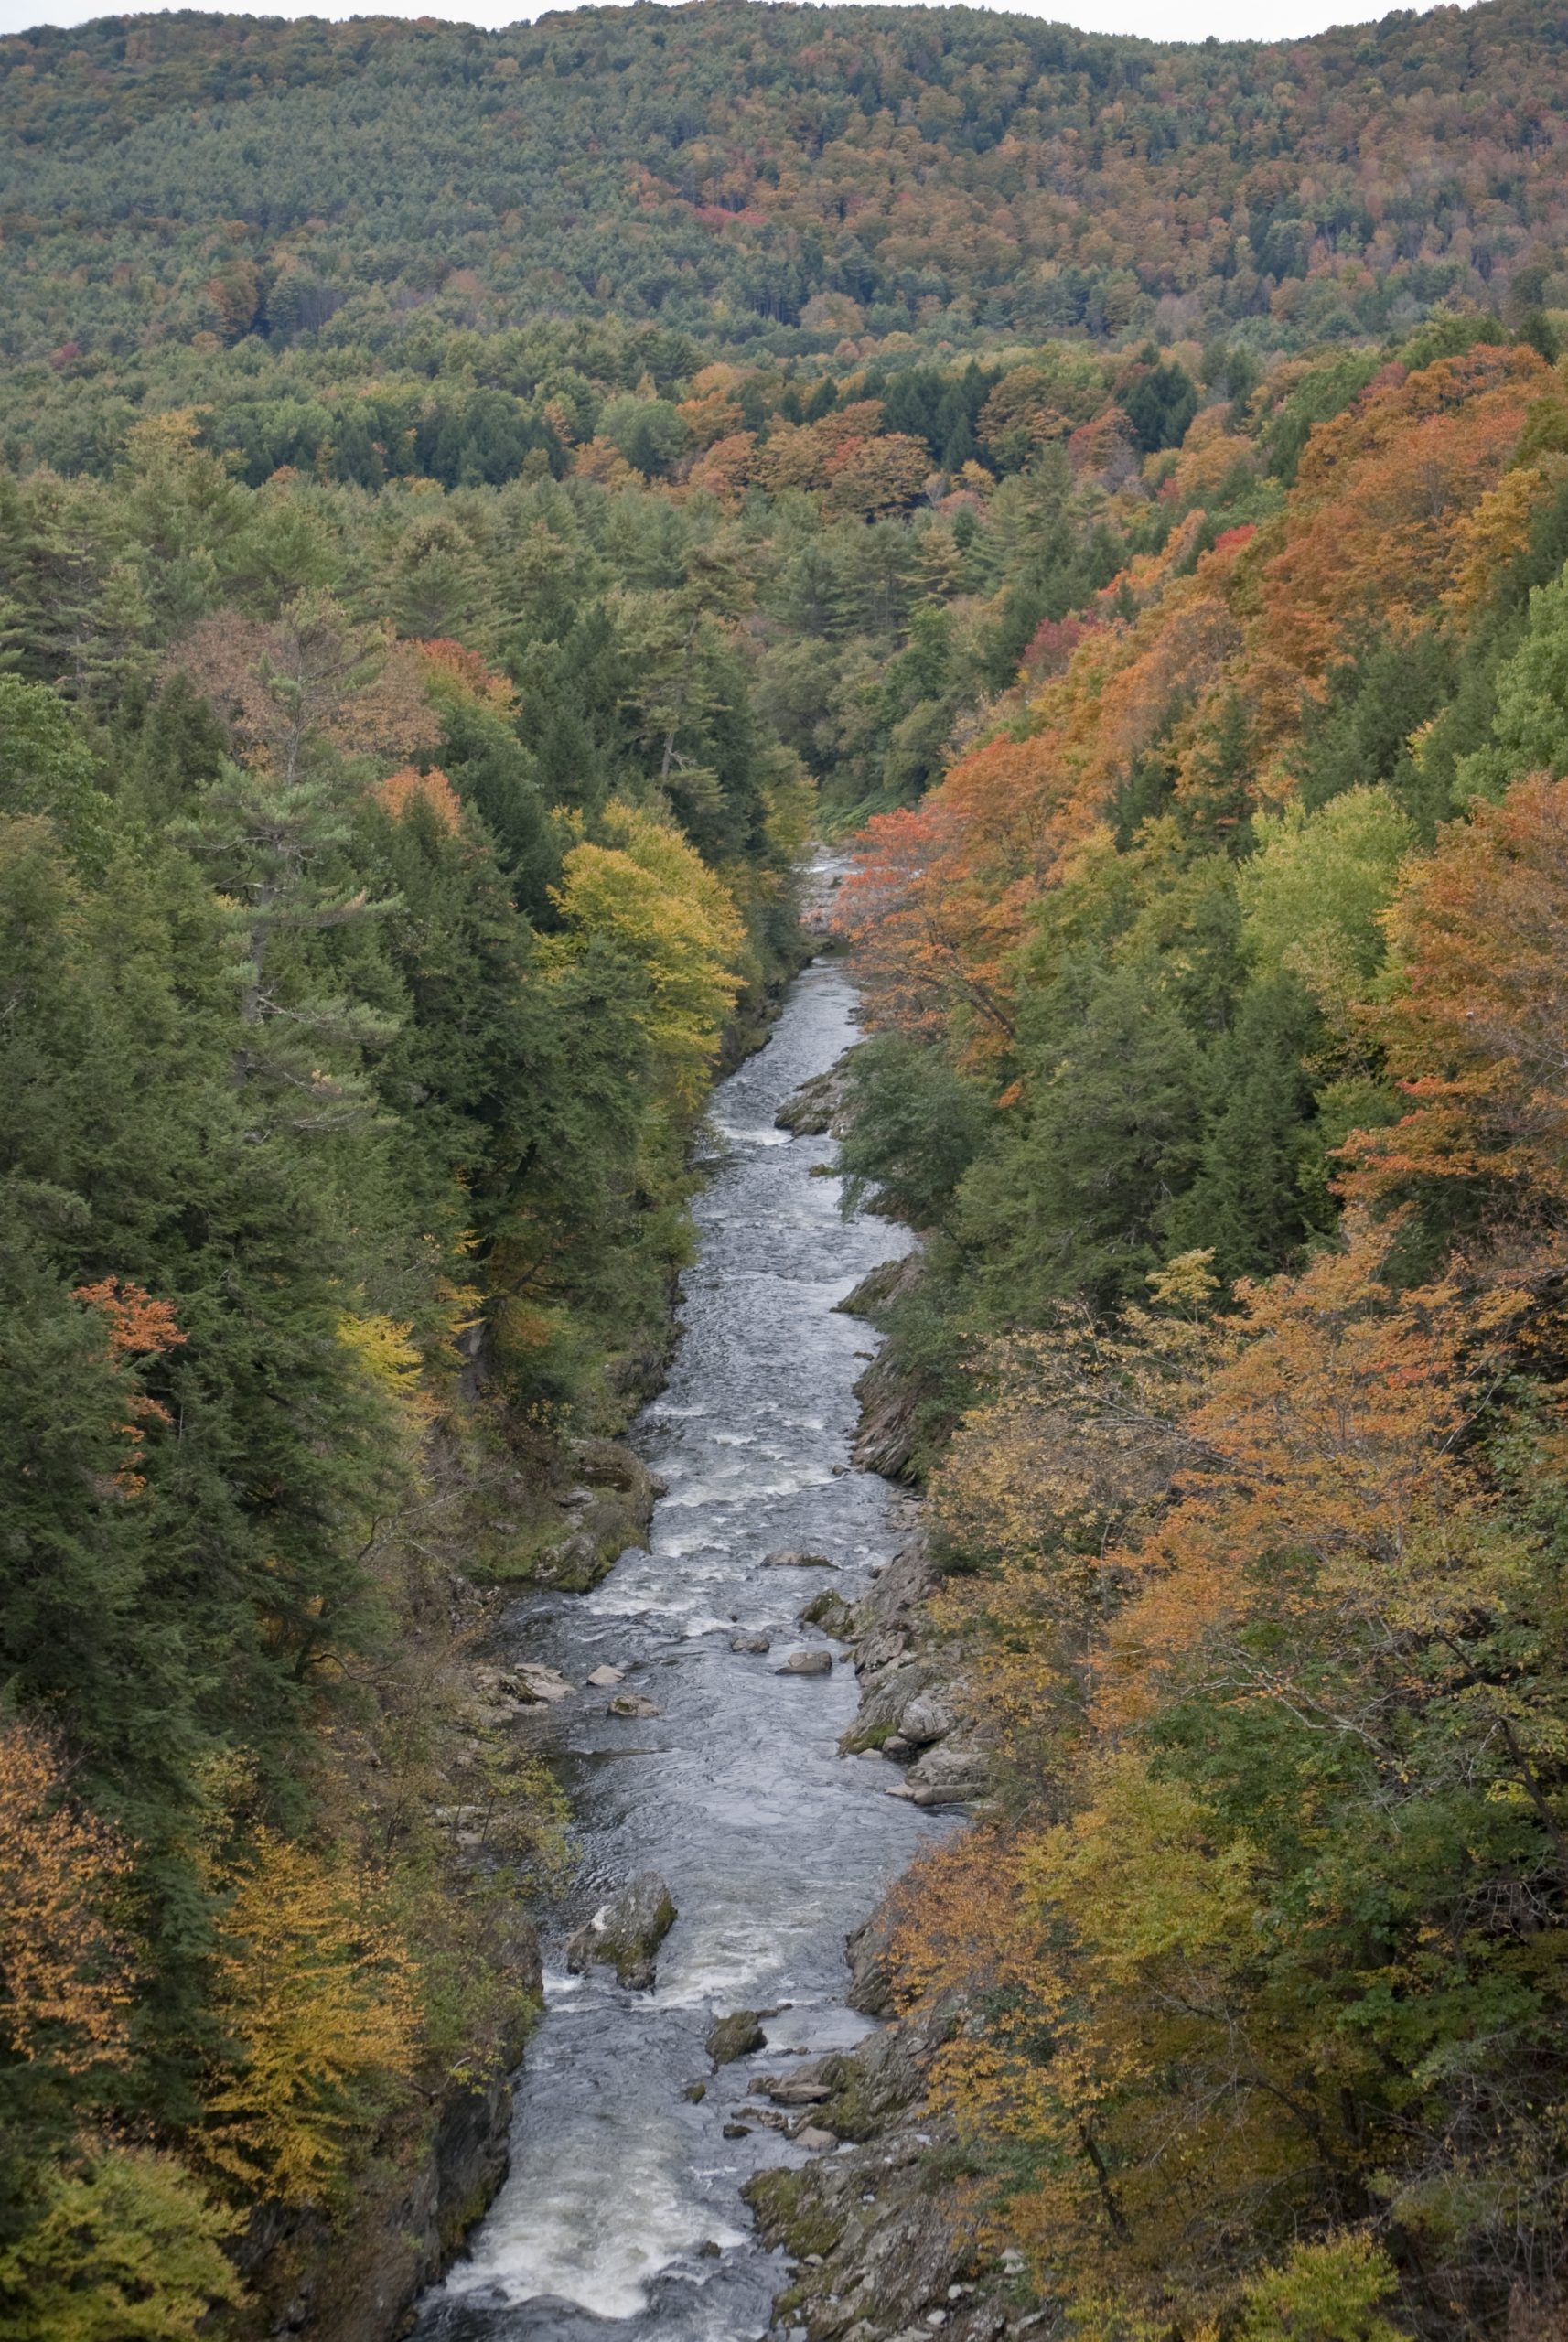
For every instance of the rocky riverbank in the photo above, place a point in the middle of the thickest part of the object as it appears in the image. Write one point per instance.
(884, 2247)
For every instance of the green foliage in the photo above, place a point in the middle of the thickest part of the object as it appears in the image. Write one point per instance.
(1331, 2291)
(350, 189)
(1159, 404)
(419, 653)
(45, 766)
(1313, 893)
(1530, 727)
(916, 1127)
(1074, 1196)
(128, 2248)
(1247, 1204)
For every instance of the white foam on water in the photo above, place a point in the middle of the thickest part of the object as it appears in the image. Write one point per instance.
(773, 1848)
(720, 1963)
(590, 2220)
(677, 1547)
(753, 1134)
(741, 1483)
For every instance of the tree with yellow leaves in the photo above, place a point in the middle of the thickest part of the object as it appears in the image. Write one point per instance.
(651, 896)
(320, 1995)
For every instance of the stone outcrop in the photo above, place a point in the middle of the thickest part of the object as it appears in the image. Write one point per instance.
(626, 1933)
(570, 1533)
(820, 1106)
(889, 1403)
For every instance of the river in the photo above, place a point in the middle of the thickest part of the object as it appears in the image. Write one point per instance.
(773, 1844)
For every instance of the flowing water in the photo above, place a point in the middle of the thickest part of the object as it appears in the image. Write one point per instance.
(773, 1844)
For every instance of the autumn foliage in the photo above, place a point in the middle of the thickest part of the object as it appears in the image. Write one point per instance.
(320, 2000)
(65, 1966)
(1474, 1032)
(1252, 1506)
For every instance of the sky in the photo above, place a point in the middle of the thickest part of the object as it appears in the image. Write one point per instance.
(1157, 19)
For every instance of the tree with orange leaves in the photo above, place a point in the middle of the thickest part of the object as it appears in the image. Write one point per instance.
(138, 1328)
(1473, 1032)
(1378, 531)
(65, 1966)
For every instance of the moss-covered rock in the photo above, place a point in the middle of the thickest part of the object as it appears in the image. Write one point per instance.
(570, 1535)
(625, 1932)
(736, 2036)
(832, 1614)
(792, 2211)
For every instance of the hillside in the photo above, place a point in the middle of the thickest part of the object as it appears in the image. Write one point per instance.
(771, 182)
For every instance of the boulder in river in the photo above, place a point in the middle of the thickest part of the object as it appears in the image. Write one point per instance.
(929, 1716)
(790, 1557)
(751, 1646)
(604, 1677)
(807, 1662)
(532, 1684)
(832, 1613)
(736, 2036)
(625, 1932)
(631, 1704)
(817, 1107)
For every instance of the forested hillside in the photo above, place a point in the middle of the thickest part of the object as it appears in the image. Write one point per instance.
(240, 211)
(1220, 1003)
(472, 506)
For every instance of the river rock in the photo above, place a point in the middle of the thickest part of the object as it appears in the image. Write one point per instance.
(631, 1704)
(929, 1716)
(807, 1662)
(832, 1613)
(869, 1950)
(603, 1678)
(625, 1932)
(751, 1646)
(816, 2138)
(818, 1106)
(890, 1403)
(535, 1684)
(736, 2036)
(790, 1557)
(947, 1775)
(801, 2090)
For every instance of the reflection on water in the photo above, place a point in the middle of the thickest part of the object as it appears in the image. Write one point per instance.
(773, 1844)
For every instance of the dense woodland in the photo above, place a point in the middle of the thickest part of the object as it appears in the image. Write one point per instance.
(1221, 996)
(473, 506)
